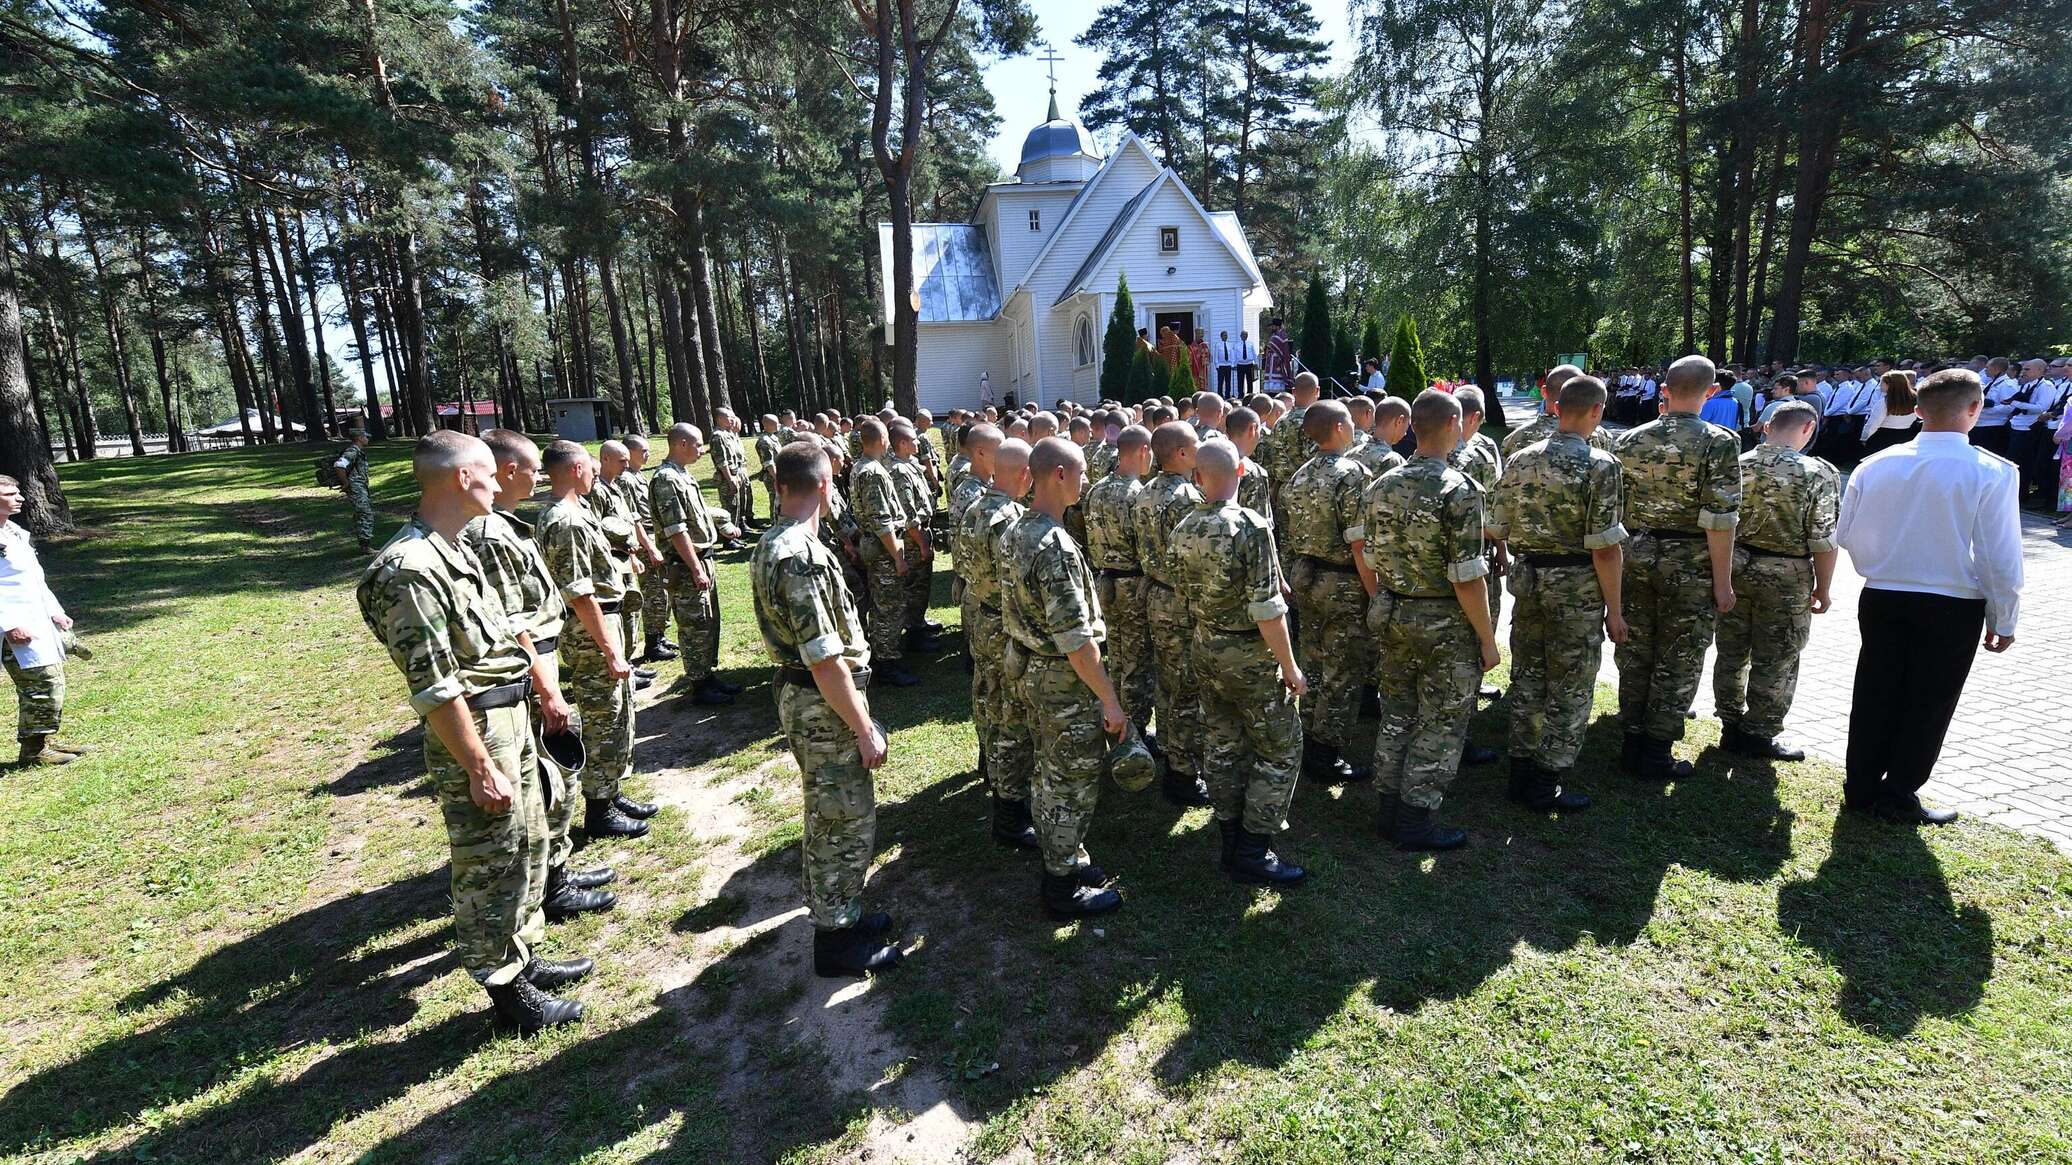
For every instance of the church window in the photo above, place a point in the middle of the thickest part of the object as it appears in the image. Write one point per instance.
(1035, 220)
(1083, 340)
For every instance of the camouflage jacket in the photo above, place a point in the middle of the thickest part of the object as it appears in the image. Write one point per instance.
(727, 454)
(967, 489)
(677, 506)
(1320, 506)
(1543, 427)
(577, 555)
(766, 447)
(1047, 598)
(354, 461)
(1255, 490)
(1286, 449)
(802, 604)
(1681, 474)
(1559, 496)
(431, 604)
(1111, 533)
(914, 492)
(1160, 505)
(1376, 457)
(1424, 529)
(1228, 568)
(612, 506)
(1789, 501)
(1100, 461)
(977, 543)
(838, 526)
(880, 503)
(512, 566)
(1479, 458)
(926, 456)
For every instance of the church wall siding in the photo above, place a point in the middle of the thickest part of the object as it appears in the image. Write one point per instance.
(1014, 244)
(1131, 172)
(948, 362)
(1202, 262)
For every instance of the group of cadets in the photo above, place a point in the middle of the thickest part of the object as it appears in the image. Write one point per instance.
(1237, 578)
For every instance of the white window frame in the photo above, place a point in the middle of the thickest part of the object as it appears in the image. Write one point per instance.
(1084, 350)
(1035, 218)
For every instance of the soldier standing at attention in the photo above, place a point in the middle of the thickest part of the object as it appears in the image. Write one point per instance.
(1254, 484)
(1558, 508)
(890, 539)
(1683, 497)
(35, 623)
(810, 629)
(1424, 539)
(1111, 549)
(766, 447)
(1391, 420)
(1286, 449)
(1231, 577)
(1006, 754)
(1053, 622)
(513, 569)
(1543, 426)
(927, 457)
(1322, 508)
(1478, 457)
(1783, 564)
(730, 473)
(910, 476)
(625, 531)
(690, 534)
(960, 471)
(1164, 501)
(654, 585)
(424, 596)
(593, 659)
(351, 468)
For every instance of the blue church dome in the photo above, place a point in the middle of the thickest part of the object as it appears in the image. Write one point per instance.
(1060, 149)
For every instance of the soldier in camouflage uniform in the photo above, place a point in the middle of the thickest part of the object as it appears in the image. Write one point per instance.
(891, 541)
(918, 496)
(1006, 754)
(351, 468)
(1543, 426)
(1053, 621)
(38, 636)
(730, 473)
(513, 568)
(1161, 505)
(1230, 575)
(1100, 456)
(654, 583)
(1558, 509)
(686, 528)
(1286, 449)
(1423, 524)
(810, 629)
(625, 530)
(1478, 456)
(426, 599)
(1683, 497)
(1783, 564)
(927, 458)
(766, 447)
(1111, 549)
(1322, 509)
(593, 662)
(1254, 484)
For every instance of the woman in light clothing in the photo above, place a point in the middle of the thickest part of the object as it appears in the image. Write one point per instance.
(1892, 420)
(34, 644)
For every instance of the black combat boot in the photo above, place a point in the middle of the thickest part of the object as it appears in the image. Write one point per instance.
(708, 694)
(549, 974)
(592, 879)
(875, 923)
(1547, 794)
(1230, 831)
(644, 673)
(1629, 753)
(1385, 817)
(919, 638)
(1370, 702)
(1255, 863)
(1064, 898)
(1524, 774)
(1659, 763)
(1478, 754)
(1012, 825)
(656, 651)
(601, 818)
(727, 686)
(1183, 789)
(641, 810)
(893, 672)
(526, 1009)
(564, 901)
(1419, 829)
(1734, 739)
(850, 953)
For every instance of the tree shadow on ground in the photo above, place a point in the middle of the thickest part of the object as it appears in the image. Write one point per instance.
(1879, 911)
(398, 760)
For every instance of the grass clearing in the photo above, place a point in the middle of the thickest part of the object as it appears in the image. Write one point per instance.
(224, 933)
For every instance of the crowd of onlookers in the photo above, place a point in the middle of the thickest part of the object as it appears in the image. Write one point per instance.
(1869, 407)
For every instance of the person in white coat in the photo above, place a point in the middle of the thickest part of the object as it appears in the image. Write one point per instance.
(34, 644)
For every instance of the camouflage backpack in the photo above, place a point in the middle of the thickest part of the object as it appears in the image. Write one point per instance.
(327, 471)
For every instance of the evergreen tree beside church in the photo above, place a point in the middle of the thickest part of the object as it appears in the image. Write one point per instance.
(1119, 344)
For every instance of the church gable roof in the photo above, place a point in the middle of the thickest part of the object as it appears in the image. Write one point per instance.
(953, 272)
(1126, 218)
(1132, 146)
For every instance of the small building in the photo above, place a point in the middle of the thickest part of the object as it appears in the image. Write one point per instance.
(1019, 297)
(580, 418)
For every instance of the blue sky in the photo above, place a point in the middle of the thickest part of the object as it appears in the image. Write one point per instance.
(1021, 89)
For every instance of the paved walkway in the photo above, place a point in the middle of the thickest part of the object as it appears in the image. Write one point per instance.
(2009, 755)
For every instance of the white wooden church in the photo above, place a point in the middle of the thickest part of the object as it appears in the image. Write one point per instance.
(1014, 302)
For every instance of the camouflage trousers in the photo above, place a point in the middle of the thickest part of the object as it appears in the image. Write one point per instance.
(1252, 730)
(1334, 650)
(1177, 696)
(363, 511)
(735, 498)
(1064, 719)
(841, 812)
(1757, 672)
(606, 708)
(564, 791)
(919, 585)
(632, 626)
(697, 618)
(1557, 635)
(1430, 669)
(499, 859)
(1003, 731)
(1496, 589)
(888, 602)
(1128, 650)
(654, 604)
(1669, 621)
(39, 697)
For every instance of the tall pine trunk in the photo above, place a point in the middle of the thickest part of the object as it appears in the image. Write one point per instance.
(24, 454)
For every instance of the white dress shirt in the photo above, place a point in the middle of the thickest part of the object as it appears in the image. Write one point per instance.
(1937, 516)
(26, 601)
(1224, 353)
(1881, 418)
(1247, 354)
(1998, 395)
(2034, 400)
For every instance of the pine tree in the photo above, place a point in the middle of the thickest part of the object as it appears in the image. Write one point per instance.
(1345, 359)
(1314, 346)
(1182, 383)
(1119, 343)
(1406, 362)
(1370, 338)
(1140, 375)
(1146, 74)
(1161, 376)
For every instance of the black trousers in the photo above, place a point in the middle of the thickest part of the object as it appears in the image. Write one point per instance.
(1223, 380)
(1991, 438)
(1917, 650)
(1245, 372)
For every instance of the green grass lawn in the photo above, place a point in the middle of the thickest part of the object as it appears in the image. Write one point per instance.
(223, 935)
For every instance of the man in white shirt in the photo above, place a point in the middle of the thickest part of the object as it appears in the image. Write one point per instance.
(34, 644)
(1992, 432)
(2029, 444)
(1247, 363)
(1224, 355)
(1933, 528)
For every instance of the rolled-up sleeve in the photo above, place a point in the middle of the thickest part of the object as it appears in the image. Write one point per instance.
(413, 622)
(1263, 599)
(1067, 615)
(1824, 513)
(1464, 534)
(1719, 507)
(666, 507)
(1605, 523)
(561, 545)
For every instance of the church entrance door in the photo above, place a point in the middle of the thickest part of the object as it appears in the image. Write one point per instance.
(1181, 322)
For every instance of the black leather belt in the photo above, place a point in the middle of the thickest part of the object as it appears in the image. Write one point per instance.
(1327, 564)
(802, 677)
(546, 646)
(1759, 552)
(1158, 583)
(1545, 561)
(501, 696)
(1251, 629)
(1400, 596)
(1674, 535)
(1118, 572)
(608, 606)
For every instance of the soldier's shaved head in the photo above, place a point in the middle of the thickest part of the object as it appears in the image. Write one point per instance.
(1361, 410)
(1133, 437)
(1690, 377)
(982, 437)
(1470, 398)
(558, 457)
(1791, 419)
(441, 451)
(1012, 454)
(1322, 418)
(510, 445)
(1042, 425)
(1173, 443)
(1242, 420)
(1053, 454)
(1433, 413)
(1306, 386)
(1557, 376)
(1216, 458)
(802, 467)
(1156, 415)
(611, 449)
(1581, 393)
(873, 433)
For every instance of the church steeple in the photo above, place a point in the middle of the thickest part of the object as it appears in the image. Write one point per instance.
(1059, 150)
(1051, 58)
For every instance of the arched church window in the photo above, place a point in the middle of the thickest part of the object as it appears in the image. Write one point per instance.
(1083, 340)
